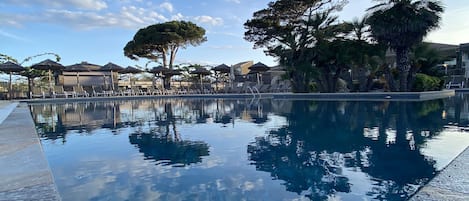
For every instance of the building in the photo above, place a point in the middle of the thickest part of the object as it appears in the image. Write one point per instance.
(242, 68)
(87, 75)
(463, 58)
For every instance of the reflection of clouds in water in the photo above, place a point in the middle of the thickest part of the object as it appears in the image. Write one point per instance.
(210, 162)
(139, 179)
(136, 179)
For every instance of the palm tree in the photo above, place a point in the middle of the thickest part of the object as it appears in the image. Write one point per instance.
(400, 24)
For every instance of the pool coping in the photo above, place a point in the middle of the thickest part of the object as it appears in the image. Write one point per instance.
(450, 184)
(24, 169)
(361, 96)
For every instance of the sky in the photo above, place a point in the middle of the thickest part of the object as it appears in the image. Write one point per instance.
(96, 31)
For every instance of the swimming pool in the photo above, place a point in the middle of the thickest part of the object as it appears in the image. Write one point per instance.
(249, 149)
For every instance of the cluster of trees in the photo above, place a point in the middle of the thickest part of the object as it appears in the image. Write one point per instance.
(316, 49)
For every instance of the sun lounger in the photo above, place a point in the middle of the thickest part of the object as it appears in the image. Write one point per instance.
(99, 91)
(78, 91)
(58, 91)
(37, 92)
(135, 91)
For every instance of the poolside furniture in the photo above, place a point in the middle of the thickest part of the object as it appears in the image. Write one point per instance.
(124, 92)
(134, 90)
(58, 91)
(283, 88)
(456, 82)
(153, 91)
(99, 91)
(78, 91)
(37, 92)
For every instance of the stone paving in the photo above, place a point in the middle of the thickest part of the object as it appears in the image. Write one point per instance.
(451, 184)
(24, 171)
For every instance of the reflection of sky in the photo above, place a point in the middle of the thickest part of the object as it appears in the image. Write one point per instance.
(101, 164)
(445, 147)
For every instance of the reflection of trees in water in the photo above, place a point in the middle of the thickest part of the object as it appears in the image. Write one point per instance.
(167, 151)
(380, 139)
(53, 121)
(457, 110)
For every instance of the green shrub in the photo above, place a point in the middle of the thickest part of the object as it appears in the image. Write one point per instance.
(425, 82)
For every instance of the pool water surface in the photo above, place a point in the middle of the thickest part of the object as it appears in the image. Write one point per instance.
(249, 149)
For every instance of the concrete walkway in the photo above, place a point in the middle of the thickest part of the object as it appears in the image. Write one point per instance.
(24, 171)
(451, 184)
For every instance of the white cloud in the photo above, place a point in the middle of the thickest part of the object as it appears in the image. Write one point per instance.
(205, 19)
(89, 4)
(12, 36)
(78, 4)
(128, 17)
(9, 21)
(177, 17)
(231, 34)
(234, 1)
(167, 6)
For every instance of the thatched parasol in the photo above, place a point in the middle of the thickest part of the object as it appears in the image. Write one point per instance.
(158, 72)
(112, 68)
(50, 66)
(82, 67)
(258, 68)
(131, 70)
(223, 68)
(201, 72)
(10, 67)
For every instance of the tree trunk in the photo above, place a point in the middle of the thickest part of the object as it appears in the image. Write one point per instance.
(362, 80)
(403, 65)
(389, 79)
(411, 79)
(165, 60)
(298, 82)
(167, 82)
(30, 86)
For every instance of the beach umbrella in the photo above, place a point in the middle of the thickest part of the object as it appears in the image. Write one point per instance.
(82, 67)
(257, 69)
(158, 72)
(131, 70)
(201, 72)
(10, 67)
(50, 66)
(223, 68)
(173, 72)
(112, 68)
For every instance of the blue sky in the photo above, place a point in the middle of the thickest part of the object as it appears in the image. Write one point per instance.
(97, 30)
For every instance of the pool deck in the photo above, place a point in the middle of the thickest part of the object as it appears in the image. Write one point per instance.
(26, 174)
(24, 170)
(451, 184)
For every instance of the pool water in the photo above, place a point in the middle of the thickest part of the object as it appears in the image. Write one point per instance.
(249, 149)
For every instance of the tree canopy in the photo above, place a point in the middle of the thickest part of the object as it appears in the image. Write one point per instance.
(306, 37)
(401, 24)
(161, 40)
